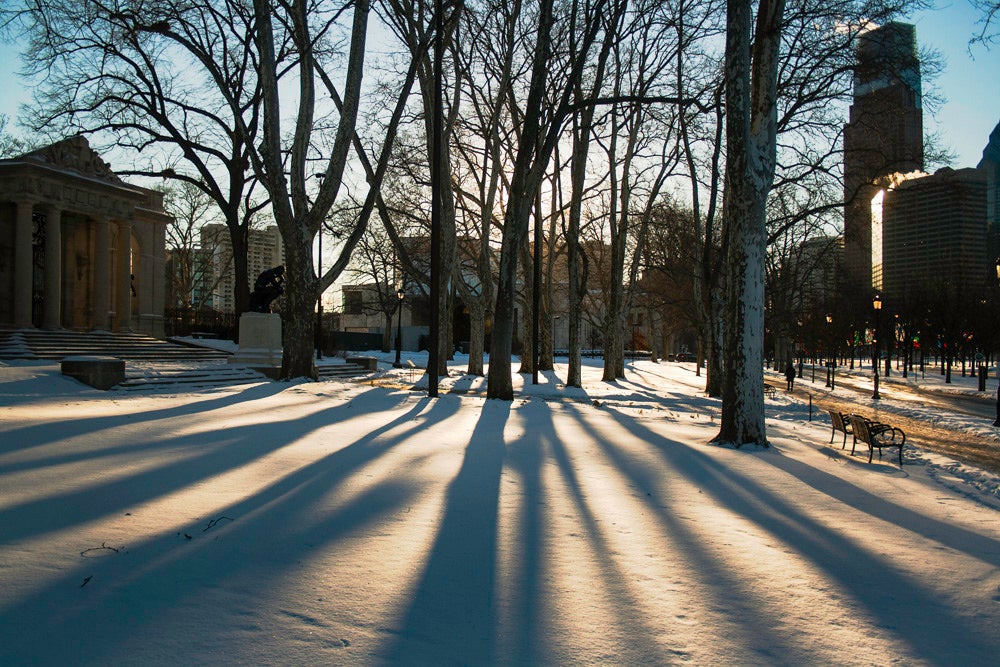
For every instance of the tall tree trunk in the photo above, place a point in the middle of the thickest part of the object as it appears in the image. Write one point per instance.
(751, 110)
(477, 336)
(499, 383)
(614, 325)
(576, 275)
(528, 315)
(546, 361)
(523, 185)
(241, 272)
(297, 314)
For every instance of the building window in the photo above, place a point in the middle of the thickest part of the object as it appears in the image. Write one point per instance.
(353, 303)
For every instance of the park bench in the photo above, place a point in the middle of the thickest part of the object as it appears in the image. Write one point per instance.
(840, 422)
(770, 391)
(876, 435)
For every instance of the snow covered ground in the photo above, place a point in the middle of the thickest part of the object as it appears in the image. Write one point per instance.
(363, 523)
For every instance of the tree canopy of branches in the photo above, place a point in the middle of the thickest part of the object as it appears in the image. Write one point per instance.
(989, 33)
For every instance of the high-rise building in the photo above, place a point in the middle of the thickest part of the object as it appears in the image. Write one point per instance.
(884, 134)
(264, 251)
(933, 234)
(990, 166)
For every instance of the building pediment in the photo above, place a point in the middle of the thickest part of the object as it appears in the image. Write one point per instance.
(71, 175)
(74, 155)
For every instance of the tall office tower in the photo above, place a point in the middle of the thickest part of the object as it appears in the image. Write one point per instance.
(884, 134)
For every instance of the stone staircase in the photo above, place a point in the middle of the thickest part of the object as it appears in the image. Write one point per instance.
(30, 344)
(151, 363)
(342, 371)
(142, 377)
(139, 377)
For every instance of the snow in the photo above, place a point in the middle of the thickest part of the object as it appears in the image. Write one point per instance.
(363, 523)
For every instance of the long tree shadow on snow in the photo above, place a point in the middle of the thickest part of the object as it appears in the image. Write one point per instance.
(452, 617)
(896, 599)
(717, 579)
(282, 517)
(51, 430)
(226, 450)
(636, 634)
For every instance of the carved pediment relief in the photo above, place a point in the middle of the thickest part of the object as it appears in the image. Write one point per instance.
(75, 154)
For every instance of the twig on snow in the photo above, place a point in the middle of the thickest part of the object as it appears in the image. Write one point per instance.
(213, 522)
(104, 547)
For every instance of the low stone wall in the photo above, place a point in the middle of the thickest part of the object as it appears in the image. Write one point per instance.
(98, 372)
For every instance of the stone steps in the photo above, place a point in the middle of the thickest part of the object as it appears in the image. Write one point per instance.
(163, 377)
(190, 378)
(40, 344)
(340, 371)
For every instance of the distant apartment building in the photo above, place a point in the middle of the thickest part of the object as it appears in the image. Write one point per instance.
(190, 283)
(884, 134)
(264, 251)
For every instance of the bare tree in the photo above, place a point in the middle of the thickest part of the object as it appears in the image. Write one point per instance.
(641, 153)
(540, 129)
(414, 23)
(287, 170)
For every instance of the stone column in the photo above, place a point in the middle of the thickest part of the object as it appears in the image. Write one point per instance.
(123, 307)
(158, 279)
(23, 263)
(102, 273)
(53, 268)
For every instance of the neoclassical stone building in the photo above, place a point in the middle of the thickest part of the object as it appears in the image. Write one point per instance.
(79, 248)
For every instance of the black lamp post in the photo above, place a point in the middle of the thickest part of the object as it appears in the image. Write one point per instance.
(400, 295)
(831, 361)
(877, 305)
(801, 350)
(319, 300)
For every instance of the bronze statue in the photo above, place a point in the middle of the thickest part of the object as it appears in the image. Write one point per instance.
(266, 289)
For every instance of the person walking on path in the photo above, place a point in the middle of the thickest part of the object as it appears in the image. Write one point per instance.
(790, 375)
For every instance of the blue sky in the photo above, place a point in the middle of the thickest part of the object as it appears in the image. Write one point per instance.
(970, 83)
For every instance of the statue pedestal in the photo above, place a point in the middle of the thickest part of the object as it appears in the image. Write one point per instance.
(260, 341)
